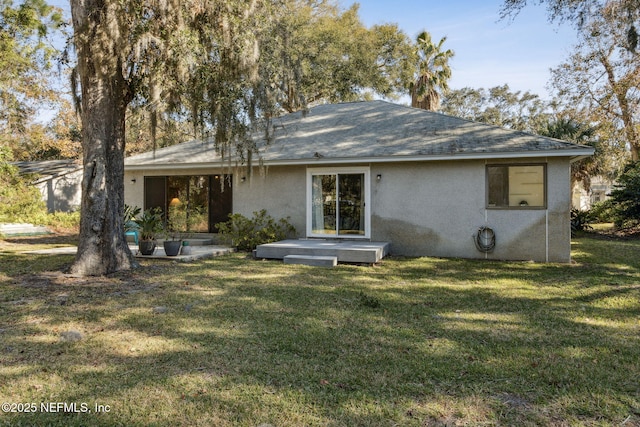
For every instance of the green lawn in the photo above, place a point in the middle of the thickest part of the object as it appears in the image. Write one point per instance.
(410, 342)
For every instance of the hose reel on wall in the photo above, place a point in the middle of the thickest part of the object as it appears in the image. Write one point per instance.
(485, 239)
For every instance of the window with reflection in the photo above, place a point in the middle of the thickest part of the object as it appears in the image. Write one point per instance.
(516, 186)
(195, 203)
(338, 204)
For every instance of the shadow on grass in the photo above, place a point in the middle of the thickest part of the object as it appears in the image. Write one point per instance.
(412, 341)
(45, 239)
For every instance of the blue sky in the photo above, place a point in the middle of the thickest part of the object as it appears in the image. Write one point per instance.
(488, 51)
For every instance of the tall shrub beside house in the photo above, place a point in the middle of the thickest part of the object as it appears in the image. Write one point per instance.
(625, 198)
(19, 201)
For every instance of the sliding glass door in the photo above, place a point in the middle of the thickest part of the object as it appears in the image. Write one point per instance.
(338, 203)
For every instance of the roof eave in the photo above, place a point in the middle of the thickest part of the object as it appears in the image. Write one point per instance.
(173, 166)
(578, 154)
(574, 159)
(573, 155)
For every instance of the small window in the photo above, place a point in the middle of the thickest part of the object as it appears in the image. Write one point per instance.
(516, 186)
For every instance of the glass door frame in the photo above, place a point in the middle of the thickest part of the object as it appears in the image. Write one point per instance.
(366, 194)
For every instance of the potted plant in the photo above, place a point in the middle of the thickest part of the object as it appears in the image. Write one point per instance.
(149, 225)
(176, 223)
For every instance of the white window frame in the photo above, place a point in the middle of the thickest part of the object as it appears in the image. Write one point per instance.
(311, 172)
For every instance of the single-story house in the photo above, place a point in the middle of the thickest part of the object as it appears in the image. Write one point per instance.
(59, 181)
(599, 191)
(426, 182)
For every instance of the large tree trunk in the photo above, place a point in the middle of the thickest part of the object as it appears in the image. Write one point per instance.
(102, 247)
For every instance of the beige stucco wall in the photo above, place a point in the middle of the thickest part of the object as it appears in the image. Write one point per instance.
(279, 190)
(423, 209)
(443, 204)
(134, 191)
(63, 193)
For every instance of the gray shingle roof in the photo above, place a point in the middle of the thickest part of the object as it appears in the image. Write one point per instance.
(375, 131)
(48, 169)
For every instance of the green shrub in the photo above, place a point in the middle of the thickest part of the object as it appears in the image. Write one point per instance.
(19, 201)
(580, 220)
(625, 198)
(55, 220)
(65, 220)
(245, 234)
(603, 211)
(21, 204)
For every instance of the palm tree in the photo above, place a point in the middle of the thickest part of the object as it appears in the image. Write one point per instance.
(568, 129)
(433, 73)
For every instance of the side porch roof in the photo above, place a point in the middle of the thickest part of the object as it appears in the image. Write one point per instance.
(48, 169)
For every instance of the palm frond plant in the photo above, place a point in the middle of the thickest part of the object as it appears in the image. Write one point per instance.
(150, 224)
(433, 73)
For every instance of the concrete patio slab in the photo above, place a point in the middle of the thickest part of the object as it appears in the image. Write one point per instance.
(197, 252)
(19, 229)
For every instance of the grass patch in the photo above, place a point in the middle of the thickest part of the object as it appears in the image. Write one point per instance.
(231, 341)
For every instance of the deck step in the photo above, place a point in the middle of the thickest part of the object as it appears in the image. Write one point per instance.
(345, 251)
(313, 260)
